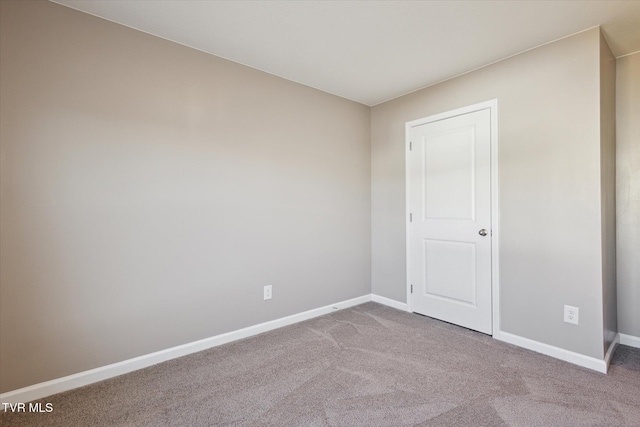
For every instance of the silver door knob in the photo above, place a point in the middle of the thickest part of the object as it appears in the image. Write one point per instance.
(482, 232)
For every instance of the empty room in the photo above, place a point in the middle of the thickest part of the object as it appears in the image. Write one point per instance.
(319, 213)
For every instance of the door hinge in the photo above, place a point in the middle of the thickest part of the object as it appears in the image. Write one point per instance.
(411, 288)
(410, 146)
(410, 217)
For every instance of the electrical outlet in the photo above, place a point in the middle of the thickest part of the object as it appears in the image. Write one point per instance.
(267, 292)
(571, 314)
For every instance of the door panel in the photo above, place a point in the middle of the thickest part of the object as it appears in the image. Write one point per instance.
(450, 202)
(450, 270)
(448, 189)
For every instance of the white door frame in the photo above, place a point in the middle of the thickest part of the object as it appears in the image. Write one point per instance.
(492, 105)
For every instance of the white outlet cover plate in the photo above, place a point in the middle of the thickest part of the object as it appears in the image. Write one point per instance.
(571, 314)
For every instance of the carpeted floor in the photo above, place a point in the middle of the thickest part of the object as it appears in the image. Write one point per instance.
(366, 366)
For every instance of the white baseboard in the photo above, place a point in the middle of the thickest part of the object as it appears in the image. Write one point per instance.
(629, 340)
(556, 352)
(389, 302)
(612, 349)
(48, 388)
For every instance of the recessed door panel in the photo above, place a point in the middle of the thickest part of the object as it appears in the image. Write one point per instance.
(449, 187)
(450, 270)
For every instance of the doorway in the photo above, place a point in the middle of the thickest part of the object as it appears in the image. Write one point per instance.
(452, 233)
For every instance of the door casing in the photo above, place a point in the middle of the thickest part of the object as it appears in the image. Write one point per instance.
(492, 105)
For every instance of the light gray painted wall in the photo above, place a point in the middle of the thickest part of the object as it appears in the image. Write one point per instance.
(608, 190)
(628, 193)
(149, 191)
(550, 222)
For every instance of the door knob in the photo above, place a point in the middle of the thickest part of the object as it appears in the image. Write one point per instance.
(482, 232)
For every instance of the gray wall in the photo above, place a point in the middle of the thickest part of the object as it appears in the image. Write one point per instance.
(149, 191)
(550, 206)
(628, 193)
(608, 190)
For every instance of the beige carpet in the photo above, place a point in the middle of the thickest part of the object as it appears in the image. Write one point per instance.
(366, 366)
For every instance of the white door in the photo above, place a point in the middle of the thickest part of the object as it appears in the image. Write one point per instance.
(449, 262)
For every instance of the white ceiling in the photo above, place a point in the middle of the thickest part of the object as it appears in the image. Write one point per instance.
(370, 51)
